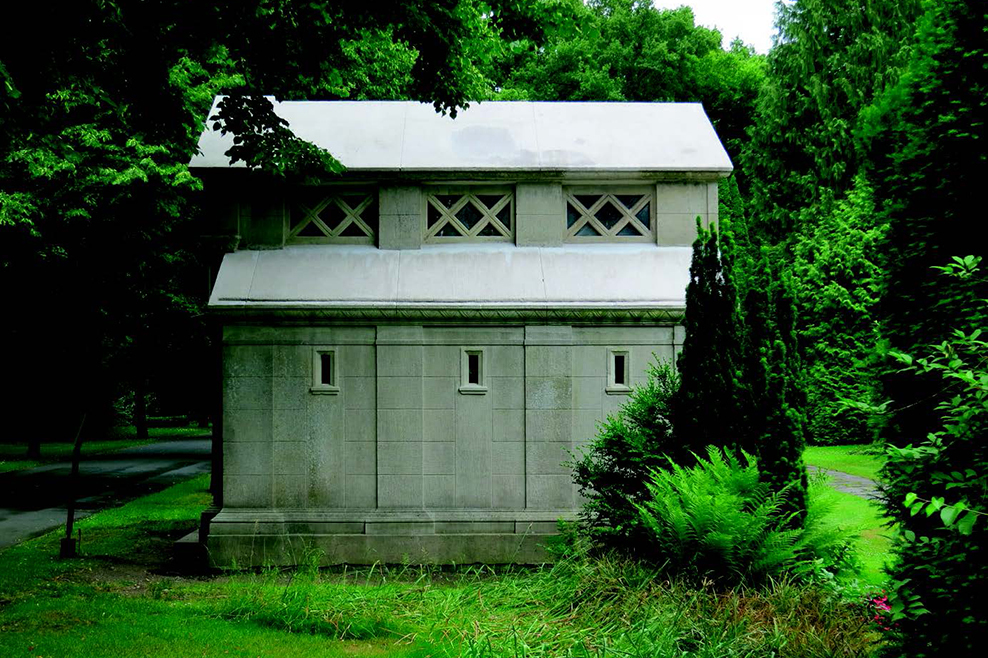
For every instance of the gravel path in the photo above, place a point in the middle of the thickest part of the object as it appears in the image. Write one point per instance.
(852, 484)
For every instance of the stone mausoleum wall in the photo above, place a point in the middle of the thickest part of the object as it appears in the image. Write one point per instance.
(400, 460)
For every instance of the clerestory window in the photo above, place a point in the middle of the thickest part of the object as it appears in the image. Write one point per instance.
(619, 215)
(482, 215)
(319, 216)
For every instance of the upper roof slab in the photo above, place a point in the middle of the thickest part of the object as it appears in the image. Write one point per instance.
(499, 136)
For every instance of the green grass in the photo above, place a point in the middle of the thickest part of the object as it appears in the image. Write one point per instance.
(862, 518)
(12, 454)
(115, 601)
(857, 460)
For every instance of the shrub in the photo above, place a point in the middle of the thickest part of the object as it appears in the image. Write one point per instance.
(717, 521)
(612, 472)
(936, 489)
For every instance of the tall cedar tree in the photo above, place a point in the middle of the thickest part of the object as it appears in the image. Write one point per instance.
(770, 357)
(831, 59)
(772, 372)
(710, 406)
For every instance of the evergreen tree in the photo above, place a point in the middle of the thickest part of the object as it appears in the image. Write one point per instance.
(928, 146)
(773, 373)
(710, 406)
(838, 281)
(830, 60)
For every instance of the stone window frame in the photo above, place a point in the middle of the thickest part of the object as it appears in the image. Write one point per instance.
(614, 387)
(335, 196)
(466, 386)
(318, 386)
(607, 194)
(469, 195)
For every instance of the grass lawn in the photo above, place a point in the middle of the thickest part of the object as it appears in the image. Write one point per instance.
(862, 517)
(125, 599)
(12, 454)
(856, 460)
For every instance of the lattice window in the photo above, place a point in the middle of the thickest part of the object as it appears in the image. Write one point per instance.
(477, 216)
(618, 216)
(347, 217)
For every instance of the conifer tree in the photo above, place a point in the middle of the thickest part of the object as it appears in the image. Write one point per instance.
(772, 372)
(710, 407)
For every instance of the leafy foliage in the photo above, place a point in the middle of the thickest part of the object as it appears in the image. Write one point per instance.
(101, 111)
(612, 473)
(937, 491)
(719, 520)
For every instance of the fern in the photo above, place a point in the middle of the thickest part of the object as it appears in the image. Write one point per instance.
(716, 521)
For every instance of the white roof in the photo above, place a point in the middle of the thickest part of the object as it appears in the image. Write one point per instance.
(499, 136)
(469, 276)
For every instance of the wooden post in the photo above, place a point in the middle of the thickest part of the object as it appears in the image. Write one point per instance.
(68, 545)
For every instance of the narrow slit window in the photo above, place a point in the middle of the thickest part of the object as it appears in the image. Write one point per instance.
(618, 372)
(619, 363)
(473, 368)
(472, 378)
(325, 378)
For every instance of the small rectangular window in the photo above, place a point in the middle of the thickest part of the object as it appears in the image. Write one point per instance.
(472, 381)
(618, 372)
(325, 377)
(473, 368)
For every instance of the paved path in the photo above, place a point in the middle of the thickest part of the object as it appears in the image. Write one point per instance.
(33, 501)
(852, 484)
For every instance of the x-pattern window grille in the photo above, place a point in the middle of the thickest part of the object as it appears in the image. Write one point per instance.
(481, 216)
(347, 217)
(615, 216)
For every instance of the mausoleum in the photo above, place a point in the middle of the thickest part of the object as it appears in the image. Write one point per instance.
(413, 349)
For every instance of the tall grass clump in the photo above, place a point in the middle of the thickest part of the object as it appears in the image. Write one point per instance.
(302, 601)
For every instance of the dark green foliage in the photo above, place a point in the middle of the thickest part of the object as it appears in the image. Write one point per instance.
(612, 472)
(928, 138)
(101, 106)
(719, 520)
(777, 390)
(712, 402)
(838, 284)
(832, 58)
(936, 489)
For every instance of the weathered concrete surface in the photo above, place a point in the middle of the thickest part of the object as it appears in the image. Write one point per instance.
(33, 501)
(847, 483)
